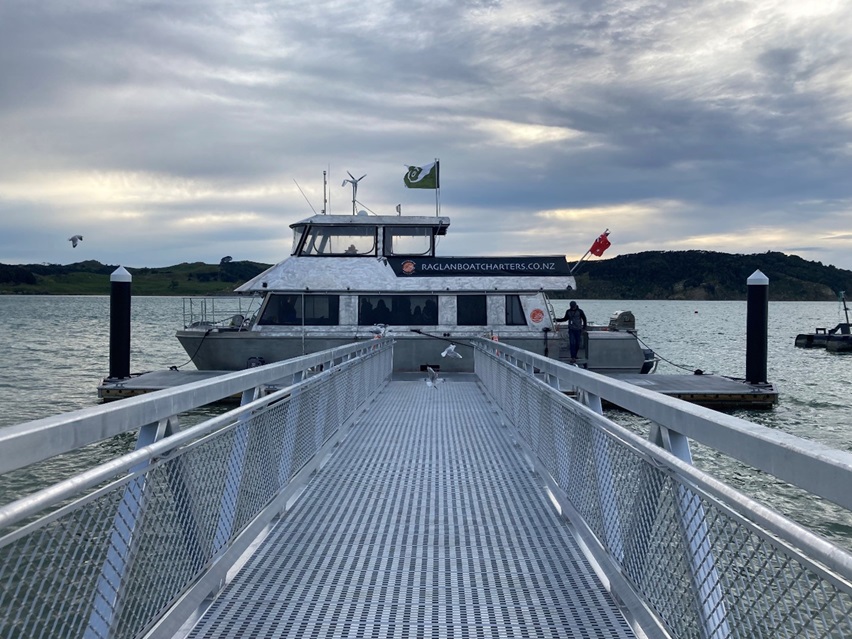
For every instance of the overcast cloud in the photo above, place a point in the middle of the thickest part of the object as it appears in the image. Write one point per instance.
(177, 132)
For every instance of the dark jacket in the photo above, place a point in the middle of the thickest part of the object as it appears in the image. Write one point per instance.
(575, 317)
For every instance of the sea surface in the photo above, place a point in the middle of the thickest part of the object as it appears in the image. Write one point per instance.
(55, 352)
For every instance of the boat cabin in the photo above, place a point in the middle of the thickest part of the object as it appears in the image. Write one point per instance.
(372, 270)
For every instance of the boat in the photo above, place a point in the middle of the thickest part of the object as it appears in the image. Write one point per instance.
(360, 276)
(834, 340)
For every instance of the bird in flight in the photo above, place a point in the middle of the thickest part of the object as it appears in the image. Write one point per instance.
(450, 352)
(74, 239)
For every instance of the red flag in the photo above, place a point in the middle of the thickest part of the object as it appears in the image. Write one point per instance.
(601, 244)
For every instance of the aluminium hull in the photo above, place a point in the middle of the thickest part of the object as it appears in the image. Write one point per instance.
(606, 352)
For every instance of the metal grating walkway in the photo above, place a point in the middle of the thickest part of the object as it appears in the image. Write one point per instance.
(425, 523)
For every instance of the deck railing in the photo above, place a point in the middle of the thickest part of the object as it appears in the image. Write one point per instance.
(228, 311)
(106, 553)
(681, 549)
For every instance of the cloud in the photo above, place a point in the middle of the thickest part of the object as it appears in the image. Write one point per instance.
(719, 125)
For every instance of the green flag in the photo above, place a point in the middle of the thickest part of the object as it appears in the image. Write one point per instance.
(423, 177)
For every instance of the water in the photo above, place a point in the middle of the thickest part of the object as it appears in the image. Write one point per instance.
(56, 352)
(56, 349)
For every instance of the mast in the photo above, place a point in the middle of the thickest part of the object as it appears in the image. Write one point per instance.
(437, 188)
(324, 193)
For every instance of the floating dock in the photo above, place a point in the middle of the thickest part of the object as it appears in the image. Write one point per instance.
(148, 382)
(713, 391)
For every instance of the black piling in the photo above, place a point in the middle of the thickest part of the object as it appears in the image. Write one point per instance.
(757, 328)
(119, 324)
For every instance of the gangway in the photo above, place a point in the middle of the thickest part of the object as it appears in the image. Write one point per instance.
(342, 500)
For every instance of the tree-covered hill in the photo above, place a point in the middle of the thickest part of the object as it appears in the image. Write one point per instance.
(92, 278)
(692, 275)
(708, 275)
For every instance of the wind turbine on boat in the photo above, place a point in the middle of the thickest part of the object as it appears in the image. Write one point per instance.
(354, 184)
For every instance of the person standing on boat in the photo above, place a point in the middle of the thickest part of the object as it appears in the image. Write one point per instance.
(576, 319)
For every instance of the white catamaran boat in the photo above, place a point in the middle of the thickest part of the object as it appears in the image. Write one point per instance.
(356, 277)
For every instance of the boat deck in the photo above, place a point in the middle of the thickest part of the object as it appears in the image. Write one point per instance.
(426, 522)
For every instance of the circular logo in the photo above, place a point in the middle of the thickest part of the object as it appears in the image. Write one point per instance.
(408, 267)
(536, 315)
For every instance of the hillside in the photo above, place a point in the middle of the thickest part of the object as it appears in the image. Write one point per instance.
(92, 278)
(687, 275)
(708, 275)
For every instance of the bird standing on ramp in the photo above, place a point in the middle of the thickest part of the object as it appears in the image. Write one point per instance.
(433, 380)
(379, 330)
(74, 239)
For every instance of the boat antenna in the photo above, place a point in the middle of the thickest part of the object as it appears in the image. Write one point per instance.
(354, 184)
(305, 196)
(324, 193)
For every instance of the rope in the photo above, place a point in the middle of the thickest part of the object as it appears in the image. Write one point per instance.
(191, 357)
(657, 356)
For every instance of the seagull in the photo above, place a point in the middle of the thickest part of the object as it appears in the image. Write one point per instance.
(379, 330)
(74, 239)
(450, 351)
(433, 380)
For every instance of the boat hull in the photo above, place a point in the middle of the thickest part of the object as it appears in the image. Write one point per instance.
(811, 340)
(606, 352)
(839, 344)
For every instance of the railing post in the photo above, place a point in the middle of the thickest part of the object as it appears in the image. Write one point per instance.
(705, 577)
(111, 581)
(606, 491)
(234, 475)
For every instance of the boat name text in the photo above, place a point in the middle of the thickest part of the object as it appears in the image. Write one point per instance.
(479, 266)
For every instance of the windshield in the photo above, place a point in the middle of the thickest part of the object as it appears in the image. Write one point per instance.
(402, 240)
(334, 240)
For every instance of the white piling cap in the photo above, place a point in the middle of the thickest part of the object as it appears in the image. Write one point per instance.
(757, 279)
(120, 275)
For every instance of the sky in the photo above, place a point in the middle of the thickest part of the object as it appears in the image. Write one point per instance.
(169, 132)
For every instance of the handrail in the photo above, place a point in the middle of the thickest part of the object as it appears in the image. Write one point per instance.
(34, 441)
(684, 551)
(144, 538)
(813, 466)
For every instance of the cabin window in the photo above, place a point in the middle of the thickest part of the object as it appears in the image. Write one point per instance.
(398, 310)
(340, 241)
(322, 310)
(471, 310)
(298, 310)
(297, 235)
(408, 240)
(514, 311)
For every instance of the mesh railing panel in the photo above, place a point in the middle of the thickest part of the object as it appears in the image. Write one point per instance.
(109, 562)
(698, 562)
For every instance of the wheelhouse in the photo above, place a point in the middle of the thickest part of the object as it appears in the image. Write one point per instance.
(363, 236)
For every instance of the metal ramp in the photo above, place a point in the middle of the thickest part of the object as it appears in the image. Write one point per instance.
(426, 522)
(419, 513)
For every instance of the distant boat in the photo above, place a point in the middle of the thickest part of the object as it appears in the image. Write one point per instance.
(835, 340)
